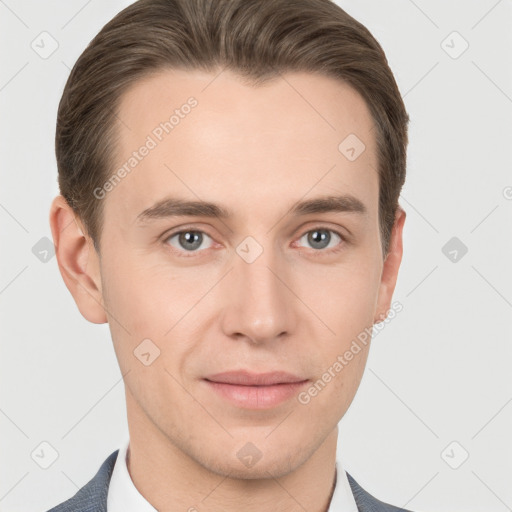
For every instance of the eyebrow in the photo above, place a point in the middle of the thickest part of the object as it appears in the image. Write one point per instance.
(175, 207)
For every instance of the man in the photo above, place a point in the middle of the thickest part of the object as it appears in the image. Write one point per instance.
(271, 138)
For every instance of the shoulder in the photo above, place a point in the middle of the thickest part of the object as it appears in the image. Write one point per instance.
(367, 503)
(92, 497)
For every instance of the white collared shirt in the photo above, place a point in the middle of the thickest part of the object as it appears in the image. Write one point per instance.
(123, 496)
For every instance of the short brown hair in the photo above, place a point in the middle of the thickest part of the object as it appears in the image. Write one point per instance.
(257, 39)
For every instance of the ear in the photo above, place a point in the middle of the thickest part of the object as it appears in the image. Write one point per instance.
(390, 268)
(78, 261)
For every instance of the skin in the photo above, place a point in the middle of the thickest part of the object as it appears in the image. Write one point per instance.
(256, 151)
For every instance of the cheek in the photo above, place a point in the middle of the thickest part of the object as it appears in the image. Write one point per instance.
(333, 390)
(135, 296)
(151, 304)
(345, 298)
(132, 311)
(345, 301)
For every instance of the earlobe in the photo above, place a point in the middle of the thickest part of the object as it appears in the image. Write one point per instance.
(78, 261)
(391, 267)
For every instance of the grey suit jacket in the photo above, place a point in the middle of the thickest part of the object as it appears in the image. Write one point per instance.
(92, 497)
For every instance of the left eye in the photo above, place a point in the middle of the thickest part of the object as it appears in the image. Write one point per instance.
(189, 240)
(321, 238)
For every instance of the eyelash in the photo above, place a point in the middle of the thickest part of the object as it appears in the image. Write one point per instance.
(315, 253)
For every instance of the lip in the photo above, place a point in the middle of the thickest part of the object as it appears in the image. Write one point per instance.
(246, 378)
(255, 391)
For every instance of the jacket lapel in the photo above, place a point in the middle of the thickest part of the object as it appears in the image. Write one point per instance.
(92, 497)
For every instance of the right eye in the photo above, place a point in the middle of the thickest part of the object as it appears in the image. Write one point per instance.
(188, 240)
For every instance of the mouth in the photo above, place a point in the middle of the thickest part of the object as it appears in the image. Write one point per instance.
(255, 391)
(246, 378)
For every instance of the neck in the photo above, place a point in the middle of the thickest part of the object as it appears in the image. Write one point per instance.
(169, 478)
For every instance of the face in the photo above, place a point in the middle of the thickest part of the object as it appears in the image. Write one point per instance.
(283, 280)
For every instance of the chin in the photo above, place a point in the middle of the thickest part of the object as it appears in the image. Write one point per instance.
(251, 461)
(274, 467)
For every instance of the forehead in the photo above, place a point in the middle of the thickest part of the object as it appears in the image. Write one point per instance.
(211, 136)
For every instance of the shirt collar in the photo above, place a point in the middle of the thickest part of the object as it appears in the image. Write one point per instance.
(123, 496)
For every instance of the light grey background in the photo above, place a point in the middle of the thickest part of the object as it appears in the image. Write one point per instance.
(438, 373)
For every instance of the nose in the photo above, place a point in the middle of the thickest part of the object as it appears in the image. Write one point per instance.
(259, 304)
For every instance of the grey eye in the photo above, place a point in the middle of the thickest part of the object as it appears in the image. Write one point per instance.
(188, 240)
(320, 238)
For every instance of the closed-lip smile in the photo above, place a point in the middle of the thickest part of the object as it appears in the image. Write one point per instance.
(246, 378)
(248, 390)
